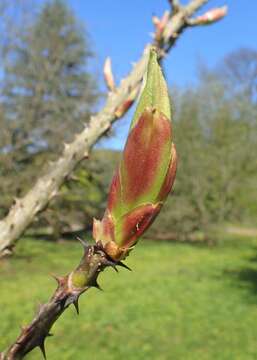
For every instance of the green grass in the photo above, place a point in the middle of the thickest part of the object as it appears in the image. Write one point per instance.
(181, 302)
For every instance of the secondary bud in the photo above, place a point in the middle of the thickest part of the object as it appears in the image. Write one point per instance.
(125, 106)
(156, 21)
(160, 24)
(211, 16)
(108, 75)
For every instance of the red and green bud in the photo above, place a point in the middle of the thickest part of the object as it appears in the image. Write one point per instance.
(146, 171)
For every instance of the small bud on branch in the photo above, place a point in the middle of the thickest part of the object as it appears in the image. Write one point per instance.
(155, 20)
(124, 107)
(210, 16)
(160, 25)
(108, 74)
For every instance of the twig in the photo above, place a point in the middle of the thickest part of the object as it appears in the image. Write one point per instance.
(68, 291)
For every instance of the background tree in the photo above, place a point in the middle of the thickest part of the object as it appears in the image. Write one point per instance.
(238, 72)
(47, 88)
(47, 94)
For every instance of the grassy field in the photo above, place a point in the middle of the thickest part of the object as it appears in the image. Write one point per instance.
(180, 302)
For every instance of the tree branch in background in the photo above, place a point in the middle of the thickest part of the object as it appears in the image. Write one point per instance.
(97, 257)
(119, 100)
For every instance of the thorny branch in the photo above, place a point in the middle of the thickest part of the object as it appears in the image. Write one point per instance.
(22, 213)
(68, 291)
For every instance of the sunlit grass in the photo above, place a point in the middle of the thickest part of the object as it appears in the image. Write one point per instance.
(180, 302)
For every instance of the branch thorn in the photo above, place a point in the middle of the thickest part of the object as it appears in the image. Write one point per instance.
(96, 285)
(76, 305)
(119, 263)
(83, 242)
(42, 348)
(59, 279)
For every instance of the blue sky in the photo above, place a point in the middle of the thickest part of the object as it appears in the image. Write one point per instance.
(120, 29)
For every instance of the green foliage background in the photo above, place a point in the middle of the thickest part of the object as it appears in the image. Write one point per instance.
(179, 302)
(47, 93)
